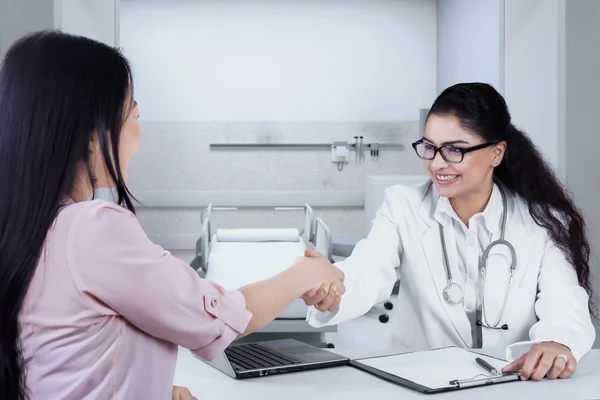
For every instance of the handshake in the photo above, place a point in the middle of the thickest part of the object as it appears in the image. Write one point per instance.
(326, 281)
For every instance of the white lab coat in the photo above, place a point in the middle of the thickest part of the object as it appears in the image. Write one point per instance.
(545, 301)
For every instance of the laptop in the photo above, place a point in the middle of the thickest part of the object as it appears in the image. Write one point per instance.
(251, 360)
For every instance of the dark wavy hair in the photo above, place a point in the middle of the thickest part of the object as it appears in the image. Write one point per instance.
(56, 91)
(483, 111)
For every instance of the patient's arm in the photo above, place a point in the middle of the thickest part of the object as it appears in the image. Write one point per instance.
(269, 298)
(120, 272)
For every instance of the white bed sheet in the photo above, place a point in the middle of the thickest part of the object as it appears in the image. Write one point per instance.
(258, 235)
(236, 264)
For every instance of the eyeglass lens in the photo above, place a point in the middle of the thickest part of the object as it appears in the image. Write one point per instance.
(450, 153)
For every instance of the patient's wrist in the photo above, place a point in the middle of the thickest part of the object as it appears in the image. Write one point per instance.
(299, 279)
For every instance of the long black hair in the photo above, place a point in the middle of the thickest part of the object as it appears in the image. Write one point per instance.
(56, 91)
(483, 111)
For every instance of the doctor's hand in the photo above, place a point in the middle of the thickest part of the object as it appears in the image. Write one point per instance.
(328, 296)
(545, 359)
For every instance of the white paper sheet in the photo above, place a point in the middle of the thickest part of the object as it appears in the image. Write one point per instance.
(435, 368)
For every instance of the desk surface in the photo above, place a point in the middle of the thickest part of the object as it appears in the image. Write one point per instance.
(346, 382)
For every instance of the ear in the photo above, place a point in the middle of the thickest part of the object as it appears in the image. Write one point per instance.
(94, 145)
(499, 150)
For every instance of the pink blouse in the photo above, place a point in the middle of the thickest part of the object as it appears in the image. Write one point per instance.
(107, 309)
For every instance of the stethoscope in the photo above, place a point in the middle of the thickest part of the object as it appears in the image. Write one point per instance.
(454, 294)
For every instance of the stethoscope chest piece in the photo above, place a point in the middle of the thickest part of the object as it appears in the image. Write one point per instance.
(453, 293)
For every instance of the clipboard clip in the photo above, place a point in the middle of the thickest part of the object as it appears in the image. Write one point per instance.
(487, 380)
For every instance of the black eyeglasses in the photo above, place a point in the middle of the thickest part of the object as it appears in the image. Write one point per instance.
(451, 154)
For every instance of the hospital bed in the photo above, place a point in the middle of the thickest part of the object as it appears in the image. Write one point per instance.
(237, 257)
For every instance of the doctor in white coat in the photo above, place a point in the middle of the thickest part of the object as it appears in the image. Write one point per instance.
(491, 252)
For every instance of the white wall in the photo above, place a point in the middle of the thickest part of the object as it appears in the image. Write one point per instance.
(96, 19)
(582, 105)
(469, 43)
(271, 71)
(335, 60)
(532, 77)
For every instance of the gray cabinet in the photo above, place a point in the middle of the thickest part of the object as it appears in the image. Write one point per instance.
(96, 19)
(18, 17)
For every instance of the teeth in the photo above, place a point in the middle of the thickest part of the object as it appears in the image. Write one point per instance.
(446, 177)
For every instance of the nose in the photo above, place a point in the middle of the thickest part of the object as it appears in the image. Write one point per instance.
(438, 162)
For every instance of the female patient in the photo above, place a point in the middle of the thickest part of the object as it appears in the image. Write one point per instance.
(90, 307)
(527, 294)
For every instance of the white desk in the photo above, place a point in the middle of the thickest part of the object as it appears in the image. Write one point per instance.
(346, 383)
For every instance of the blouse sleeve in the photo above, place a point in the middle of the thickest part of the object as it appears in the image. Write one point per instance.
(113, 263)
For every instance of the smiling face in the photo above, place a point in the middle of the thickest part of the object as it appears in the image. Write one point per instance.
(470, 176)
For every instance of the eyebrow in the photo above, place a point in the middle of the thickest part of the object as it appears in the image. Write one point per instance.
(447, 143)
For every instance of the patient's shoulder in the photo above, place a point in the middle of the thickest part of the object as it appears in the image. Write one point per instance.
(96, 210)
(93, 217)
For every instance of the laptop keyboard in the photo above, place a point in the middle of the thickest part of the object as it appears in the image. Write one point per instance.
(255, 356)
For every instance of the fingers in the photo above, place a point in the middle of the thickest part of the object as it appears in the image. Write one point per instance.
(327, 302)
(308, 297)
(310, 253)
(530, 362)
(313, 296)
(338, 296)
(332, 300)
(516, 365)
(339, 287)
(542, 361)
(558, 367)
(569, 368)
(182, 393)
(543, 367)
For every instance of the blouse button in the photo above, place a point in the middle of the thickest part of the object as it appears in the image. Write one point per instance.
(214, 303)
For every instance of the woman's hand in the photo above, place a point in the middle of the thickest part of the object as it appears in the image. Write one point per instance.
(327, 297)
(182, 393)
(544, 360)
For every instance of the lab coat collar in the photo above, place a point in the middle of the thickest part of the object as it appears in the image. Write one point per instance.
(491, 215)
(518, 223)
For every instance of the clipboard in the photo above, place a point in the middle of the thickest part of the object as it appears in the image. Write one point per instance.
(435, 371)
